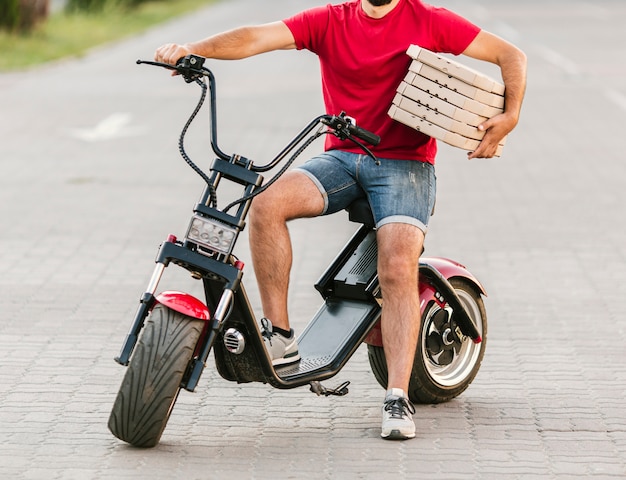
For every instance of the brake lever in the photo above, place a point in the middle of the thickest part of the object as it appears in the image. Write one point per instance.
(191, 67)
(156, 64)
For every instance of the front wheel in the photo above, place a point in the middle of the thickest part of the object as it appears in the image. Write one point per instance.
(152, 380)
(444, 364)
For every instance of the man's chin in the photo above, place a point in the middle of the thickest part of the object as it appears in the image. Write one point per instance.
(379, 3)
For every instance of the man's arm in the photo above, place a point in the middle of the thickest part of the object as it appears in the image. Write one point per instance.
(512, 63)
(234, 44)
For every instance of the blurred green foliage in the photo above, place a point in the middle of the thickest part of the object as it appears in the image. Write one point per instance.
(9, 14)
(70, 33)
(22, 15)
(93, 6)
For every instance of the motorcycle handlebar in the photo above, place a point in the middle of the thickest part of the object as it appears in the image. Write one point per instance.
(191, 68)
(364, 135)
(345, 126)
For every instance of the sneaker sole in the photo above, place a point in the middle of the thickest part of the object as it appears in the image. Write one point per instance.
(286, 360)
(397, 435)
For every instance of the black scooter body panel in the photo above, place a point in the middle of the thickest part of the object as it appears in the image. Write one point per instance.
(348, 313)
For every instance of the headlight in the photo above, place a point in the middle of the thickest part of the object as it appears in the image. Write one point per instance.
(211, 234)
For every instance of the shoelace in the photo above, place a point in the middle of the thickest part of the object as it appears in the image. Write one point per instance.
(399, 407)
(266, 329)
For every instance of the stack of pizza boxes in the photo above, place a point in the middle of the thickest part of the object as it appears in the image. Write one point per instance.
(446, 100)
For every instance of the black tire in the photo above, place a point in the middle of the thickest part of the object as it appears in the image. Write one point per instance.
(444, 365)
(152, 381)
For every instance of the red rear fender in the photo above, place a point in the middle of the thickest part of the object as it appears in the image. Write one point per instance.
(449, 269)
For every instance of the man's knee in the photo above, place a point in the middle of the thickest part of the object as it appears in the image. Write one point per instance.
(293, 196)
(398, 273)
(264, 207)
(399, 249)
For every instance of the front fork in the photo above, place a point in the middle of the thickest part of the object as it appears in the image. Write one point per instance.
(185, 304)
(215, 325)
(146, 303)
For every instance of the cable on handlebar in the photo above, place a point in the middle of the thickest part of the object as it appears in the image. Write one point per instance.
(192, 69)
(337, 127)
(181, 144)
(365, 149)
(283, 169)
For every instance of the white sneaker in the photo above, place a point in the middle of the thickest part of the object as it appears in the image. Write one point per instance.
(397, 416)
(283, 350)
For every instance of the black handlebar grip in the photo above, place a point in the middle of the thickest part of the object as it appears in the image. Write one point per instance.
(364, 135)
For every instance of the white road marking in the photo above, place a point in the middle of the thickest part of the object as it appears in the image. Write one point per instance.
(617, 98)
(559, 61)
(113, 126)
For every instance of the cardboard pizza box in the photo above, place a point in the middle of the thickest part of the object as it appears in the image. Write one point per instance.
(435, 131)
(456, 85)
(455, 69)
(451, 96)
(446, 100)
(437, 118)
(439, 105)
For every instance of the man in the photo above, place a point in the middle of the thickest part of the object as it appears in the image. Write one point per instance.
(361, 46)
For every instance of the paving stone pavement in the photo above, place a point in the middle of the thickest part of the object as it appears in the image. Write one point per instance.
(90, 183)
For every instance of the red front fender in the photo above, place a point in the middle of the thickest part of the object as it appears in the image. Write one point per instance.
(449, 269)
(185, 304)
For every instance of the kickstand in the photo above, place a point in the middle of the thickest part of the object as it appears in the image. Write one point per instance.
(319, 389)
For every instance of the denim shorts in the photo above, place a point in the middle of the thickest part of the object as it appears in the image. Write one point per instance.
(398, 191)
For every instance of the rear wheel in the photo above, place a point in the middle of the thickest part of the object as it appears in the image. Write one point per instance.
(445, 364)
(152, 381)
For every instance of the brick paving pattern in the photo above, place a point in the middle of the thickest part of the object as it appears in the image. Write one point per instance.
(90, 183)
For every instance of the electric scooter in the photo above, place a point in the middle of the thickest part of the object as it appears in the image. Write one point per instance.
(173, 332)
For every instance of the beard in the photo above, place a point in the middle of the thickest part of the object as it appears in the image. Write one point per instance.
(379, 3)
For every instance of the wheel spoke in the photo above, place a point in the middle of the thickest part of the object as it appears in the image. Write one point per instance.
(434, 343)
(439, 320)
(446, 357)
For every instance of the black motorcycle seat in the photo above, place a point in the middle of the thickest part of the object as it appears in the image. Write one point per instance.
(359, 211)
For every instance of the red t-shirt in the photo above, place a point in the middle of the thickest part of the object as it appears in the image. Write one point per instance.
(363, 60)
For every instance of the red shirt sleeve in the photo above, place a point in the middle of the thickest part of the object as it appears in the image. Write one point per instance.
(450, 32)
(307, 27)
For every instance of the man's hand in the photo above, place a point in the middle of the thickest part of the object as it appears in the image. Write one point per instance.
(512, 63)
(170, 53)
(496, 128)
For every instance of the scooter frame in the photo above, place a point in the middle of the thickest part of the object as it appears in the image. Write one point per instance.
(349, 288)
(348, 316)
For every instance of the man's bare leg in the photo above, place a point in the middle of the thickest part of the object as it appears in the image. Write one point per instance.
(399, 247)
(293, 196)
